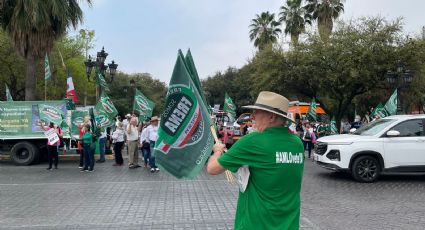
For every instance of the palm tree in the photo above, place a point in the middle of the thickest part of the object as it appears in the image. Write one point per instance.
(324, 11)
(264, 30)
(33, 26)
(295, 18)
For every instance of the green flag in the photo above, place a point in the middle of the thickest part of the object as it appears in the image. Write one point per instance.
(229, 106)
(47, 72)
(195, 77)
(8, 95)
(184, 136)
(143, 105)
(311, 114)
(333, 129)
(106, 108)
(49, 113)
(77, 118)
(378, 111)
(100, 81)
(391, 105)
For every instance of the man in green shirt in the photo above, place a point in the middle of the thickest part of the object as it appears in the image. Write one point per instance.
(275, 160)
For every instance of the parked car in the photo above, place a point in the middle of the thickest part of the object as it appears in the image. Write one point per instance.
(393, 144)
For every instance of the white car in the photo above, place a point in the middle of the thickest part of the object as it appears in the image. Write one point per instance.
(391, 144)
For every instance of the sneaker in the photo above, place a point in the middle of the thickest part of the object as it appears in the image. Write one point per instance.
(49, 168)
(137, 166)
(157, 169)
(152, 170)
(91, 170)
(131, 167)
(80, 167)
(84, 170)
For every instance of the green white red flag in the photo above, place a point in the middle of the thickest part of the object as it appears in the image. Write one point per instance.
(143, 105)
(184, 137)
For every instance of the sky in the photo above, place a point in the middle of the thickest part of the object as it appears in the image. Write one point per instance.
(143, 36)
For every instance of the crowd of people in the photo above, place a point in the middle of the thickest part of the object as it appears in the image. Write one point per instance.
(137, 137)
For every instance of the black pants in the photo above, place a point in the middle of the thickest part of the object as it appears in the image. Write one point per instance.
(118, 153)
(308, 145)
(52, 155)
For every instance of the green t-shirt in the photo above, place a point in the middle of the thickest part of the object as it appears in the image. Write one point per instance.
(87, 138)
(272, 197)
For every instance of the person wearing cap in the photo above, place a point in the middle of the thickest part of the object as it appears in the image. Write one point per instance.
(270, 165)
(151, 137)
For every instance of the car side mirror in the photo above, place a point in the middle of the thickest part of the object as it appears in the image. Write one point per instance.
(393, 133)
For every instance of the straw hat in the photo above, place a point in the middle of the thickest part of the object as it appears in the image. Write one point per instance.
(271, 102)
(154, 118)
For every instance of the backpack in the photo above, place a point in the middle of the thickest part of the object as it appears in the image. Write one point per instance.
(307, 135)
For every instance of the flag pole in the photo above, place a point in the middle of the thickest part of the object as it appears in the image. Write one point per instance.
(229, 176)
(45, 90)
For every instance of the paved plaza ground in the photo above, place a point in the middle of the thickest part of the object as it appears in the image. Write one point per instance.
(118, 198)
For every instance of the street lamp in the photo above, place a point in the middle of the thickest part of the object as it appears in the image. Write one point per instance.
(100, 66)
(400, 79)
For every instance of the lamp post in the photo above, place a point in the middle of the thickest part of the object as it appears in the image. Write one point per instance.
(400, 79)
(100, 67)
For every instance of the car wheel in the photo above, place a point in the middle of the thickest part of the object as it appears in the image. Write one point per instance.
(24, 153)
(365, 169)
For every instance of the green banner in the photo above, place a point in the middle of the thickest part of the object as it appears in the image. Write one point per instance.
(229, 106)
(311, 114)
(190, 64)
(77, 118)
(143, 105)
(49, 113)
(391, 105)
(333, 129)
(20, 119)
(184, 137)
(47, 72)
(100, 81)
(105, 111)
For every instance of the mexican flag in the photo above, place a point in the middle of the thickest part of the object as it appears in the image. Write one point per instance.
(50, 113)
(333, 129)
(229, 106)
(311, 114)
(105, 111)
(8, 95)
(184, 136)
(70, 90)
(143, 105)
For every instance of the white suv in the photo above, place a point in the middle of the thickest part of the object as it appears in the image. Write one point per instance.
(391, 144)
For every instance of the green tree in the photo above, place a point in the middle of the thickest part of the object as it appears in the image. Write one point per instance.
(33, 26)
(324, 11)
(295, 18)
(264, 30)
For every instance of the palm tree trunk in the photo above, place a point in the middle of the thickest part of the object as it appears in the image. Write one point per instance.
(294, 39)
(324, 25)
(30, 79)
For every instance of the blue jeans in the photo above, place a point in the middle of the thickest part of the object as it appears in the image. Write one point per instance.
(102, 142)
(152, 155)
(88, 157)
(146, 154)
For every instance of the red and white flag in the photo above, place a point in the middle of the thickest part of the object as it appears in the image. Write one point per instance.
(70, 90)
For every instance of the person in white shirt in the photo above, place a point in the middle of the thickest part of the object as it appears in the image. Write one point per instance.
(132, 143)
(151, 137)
(102, 143)
(144, 143)
(118, 139)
